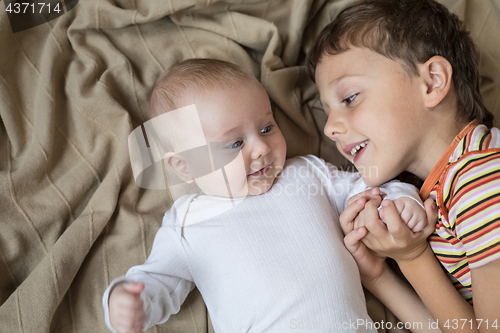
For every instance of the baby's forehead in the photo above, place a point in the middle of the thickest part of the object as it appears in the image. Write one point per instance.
(178, 129)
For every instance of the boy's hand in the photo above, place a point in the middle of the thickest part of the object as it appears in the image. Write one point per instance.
(393, 238)
(352, 217)
(412, 214)
(410, 211)
(371, 265)
(126, 311)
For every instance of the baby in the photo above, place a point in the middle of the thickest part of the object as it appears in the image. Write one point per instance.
(263, 243)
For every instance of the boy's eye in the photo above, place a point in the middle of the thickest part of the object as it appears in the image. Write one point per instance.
(236, 144)
(349, 99)
(266, 129)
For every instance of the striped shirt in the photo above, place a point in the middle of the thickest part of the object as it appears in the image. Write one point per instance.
(466, 188)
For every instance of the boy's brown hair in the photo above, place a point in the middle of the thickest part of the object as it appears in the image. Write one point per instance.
(192, 76)
(412, 31)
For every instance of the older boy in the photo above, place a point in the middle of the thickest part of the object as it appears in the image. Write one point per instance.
(266, 252)
(401, 76)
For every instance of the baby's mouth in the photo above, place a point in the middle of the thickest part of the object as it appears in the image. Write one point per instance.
(260, 172)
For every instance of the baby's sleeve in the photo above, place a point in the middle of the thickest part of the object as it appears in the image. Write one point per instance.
(165, 274)
(344, 185)
(396, 189)
(341, 185)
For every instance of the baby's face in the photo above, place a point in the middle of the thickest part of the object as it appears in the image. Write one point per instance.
(375, 112)
(238, 122)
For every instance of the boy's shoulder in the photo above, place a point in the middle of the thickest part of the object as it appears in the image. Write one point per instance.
(472, 177)
(479, 140)
(475, 157)
(475, 160)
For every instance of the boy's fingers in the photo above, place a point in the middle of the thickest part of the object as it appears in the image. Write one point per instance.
(392, 218)
(368, 194)
(432, 215)
(350, 213)
(381, 215)
(431, 210)
(372, 221)
(352, 239)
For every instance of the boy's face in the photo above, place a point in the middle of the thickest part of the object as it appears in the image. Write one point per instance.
(375, 112)
(240, 120)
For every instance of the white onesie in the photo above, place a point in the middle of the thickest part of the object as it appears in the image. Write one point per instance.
(275, 262)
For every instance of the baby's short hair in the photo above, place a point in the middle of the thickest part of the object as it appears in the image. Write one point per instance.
(190, 77)
(412, 31)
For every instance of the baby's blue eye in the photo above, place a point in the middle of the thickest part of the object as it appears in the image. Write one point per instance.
(266, 129)
(349, 99)
(237, 144)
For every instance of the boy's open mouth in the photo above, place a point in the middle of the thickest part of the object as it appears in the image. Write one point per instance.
(355, 150)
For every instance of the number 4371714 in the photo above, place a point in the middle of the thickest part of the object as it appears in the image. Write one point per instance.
(17, 8)
(464, 323)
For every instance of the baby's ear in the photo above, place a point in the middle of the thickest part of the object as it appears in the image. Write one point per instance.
(437, 75)
(179, 165)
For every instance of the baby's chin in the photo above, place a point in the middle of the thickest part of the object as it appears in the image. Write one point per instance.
(244, 189)
(224, 192)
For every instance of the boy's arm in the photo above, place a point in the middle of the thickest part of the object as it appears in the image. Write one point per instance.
(486, 291)
(419, 265)
(472, 211)
(399, 297)
(380, 280)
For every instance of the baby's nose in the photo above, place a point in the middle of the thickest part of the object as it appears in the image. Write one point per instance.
(261, 148)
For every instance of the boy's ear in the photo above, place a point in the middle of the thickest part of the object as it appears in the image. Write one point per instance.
(437, 75)
(178, 164)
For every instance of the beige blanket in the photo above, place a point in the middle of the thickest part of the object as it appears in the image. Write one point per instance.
(71, 91)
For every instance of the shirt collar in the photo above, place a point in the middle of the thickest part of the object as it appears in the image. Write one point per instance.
(438, 169)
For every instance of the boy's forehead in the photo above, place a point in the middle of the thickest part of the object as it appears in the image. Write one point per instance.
(355, 62)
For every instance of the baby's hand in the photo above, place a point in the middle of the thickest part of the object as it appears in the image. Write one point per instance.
(126, 311)
(411, 213)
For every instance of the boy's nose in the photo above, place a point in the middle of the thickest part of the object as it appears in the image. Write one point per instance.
(260, 148)
(334, 126)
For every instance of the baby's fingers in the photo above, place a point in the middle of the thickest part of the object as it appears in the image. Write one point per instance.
(133, 287)
(417, 226)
